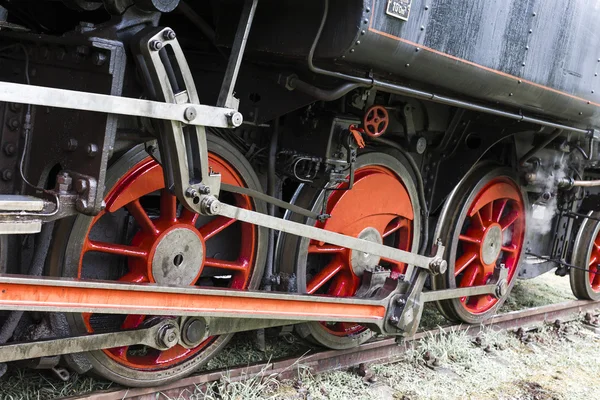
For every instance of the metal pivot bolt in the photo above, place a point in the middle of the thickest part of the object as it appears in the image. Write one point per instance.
(168, 336)
(190, 114)
(193, 331)
(210, 205)
(438, 266)
(235, 119)
(169, 34)
(394, 320)
(155, 45)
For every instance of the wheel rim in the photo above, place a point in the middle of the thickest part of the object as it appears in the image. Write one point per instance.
(366, 211)
(158, 225)
(492, 233)
(594, 275)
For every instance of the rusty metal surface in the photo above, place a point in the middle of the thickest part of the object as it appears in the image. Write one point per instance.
(380, 351)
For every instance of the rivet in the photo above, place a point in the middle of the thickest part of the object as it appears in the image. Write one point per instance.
(534, 14)
(526, 47)
(580, 113)
(417, 49)
(519, 81)
(7, 175)
(596, 74)
(592, 91)
(422, 28)
(510, 94)
(523, 64)
(426, 7)
(10, 149)
(407, 65)
(352, 50)
(358, 42)
(363, 32)
(366, 21)
(368, 9)
(531, 31)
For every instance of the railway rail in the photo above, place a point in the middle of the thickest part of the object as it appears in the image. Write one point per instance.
(380, 351)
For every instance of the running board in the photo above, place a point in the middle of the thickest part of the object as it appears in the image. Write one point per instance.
(20, 206)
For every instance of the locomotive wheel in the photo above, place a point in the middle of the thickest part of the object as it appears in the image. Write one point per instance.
(482, 225)
(143, 227)
(381, 207)
(586, 254)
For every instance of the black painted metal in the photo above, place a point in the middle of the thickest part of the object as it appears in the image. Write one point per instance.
(536, 55)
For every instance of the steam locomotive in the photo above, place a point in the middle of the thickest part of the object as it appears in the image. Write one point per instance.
(174, 172)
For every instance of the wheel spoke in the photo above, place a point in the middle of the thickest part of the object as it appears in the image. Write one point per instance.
(593, 261)
(499, 206)
(477, 221)
(470, 275)
(464, 261)
(510, 219)
(469, 239)
(134, 277)
(113, 248)
(487, 211)
(215, 226)
(391, 228)
(168, 206)
(479, 302)
(324, 249)
(596, 278)
(338, 286)
(324, 275)
(188, 217)
(510, 249)
(231, 265)
(132, 321)
(139, 214)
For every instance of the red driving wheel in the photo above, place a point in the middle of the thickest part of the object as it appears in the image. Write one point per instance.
(489, 230)
(376, 121)
(585, 280)
(379, 208)
(145, 236)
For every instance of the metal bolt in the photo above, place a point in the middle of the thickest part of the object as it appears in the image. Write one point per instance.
(204, 189)
(169, 34)
(13, 124)
(235, 119)
(190, 114)
(92, 150)
(71, 144)
(81, 185)
(7, 175)
(394, 320)
(10, 149)
(400, 301)
(15, 107)
(438, 266)
(155, 45)
(99, 59)
(191, 192)
(167, 336)
(210, 206)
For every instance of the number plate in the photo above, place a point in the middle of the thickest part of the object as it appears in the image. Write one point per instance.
(399, 9)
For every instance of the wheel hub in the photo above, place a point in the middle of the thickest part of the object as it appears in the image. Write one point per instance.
(492, 244)
(360, 260)
(178, 257)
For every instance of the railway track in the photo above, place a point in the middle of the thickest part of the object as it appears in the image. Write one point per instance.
(380, 351)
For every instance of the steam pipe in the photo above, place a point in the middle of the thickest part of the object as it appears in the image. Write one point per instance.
(294, 82)
(419, 94)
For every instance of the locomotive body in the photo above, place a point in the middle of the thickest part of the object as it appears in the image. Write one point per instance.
(176, 172)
